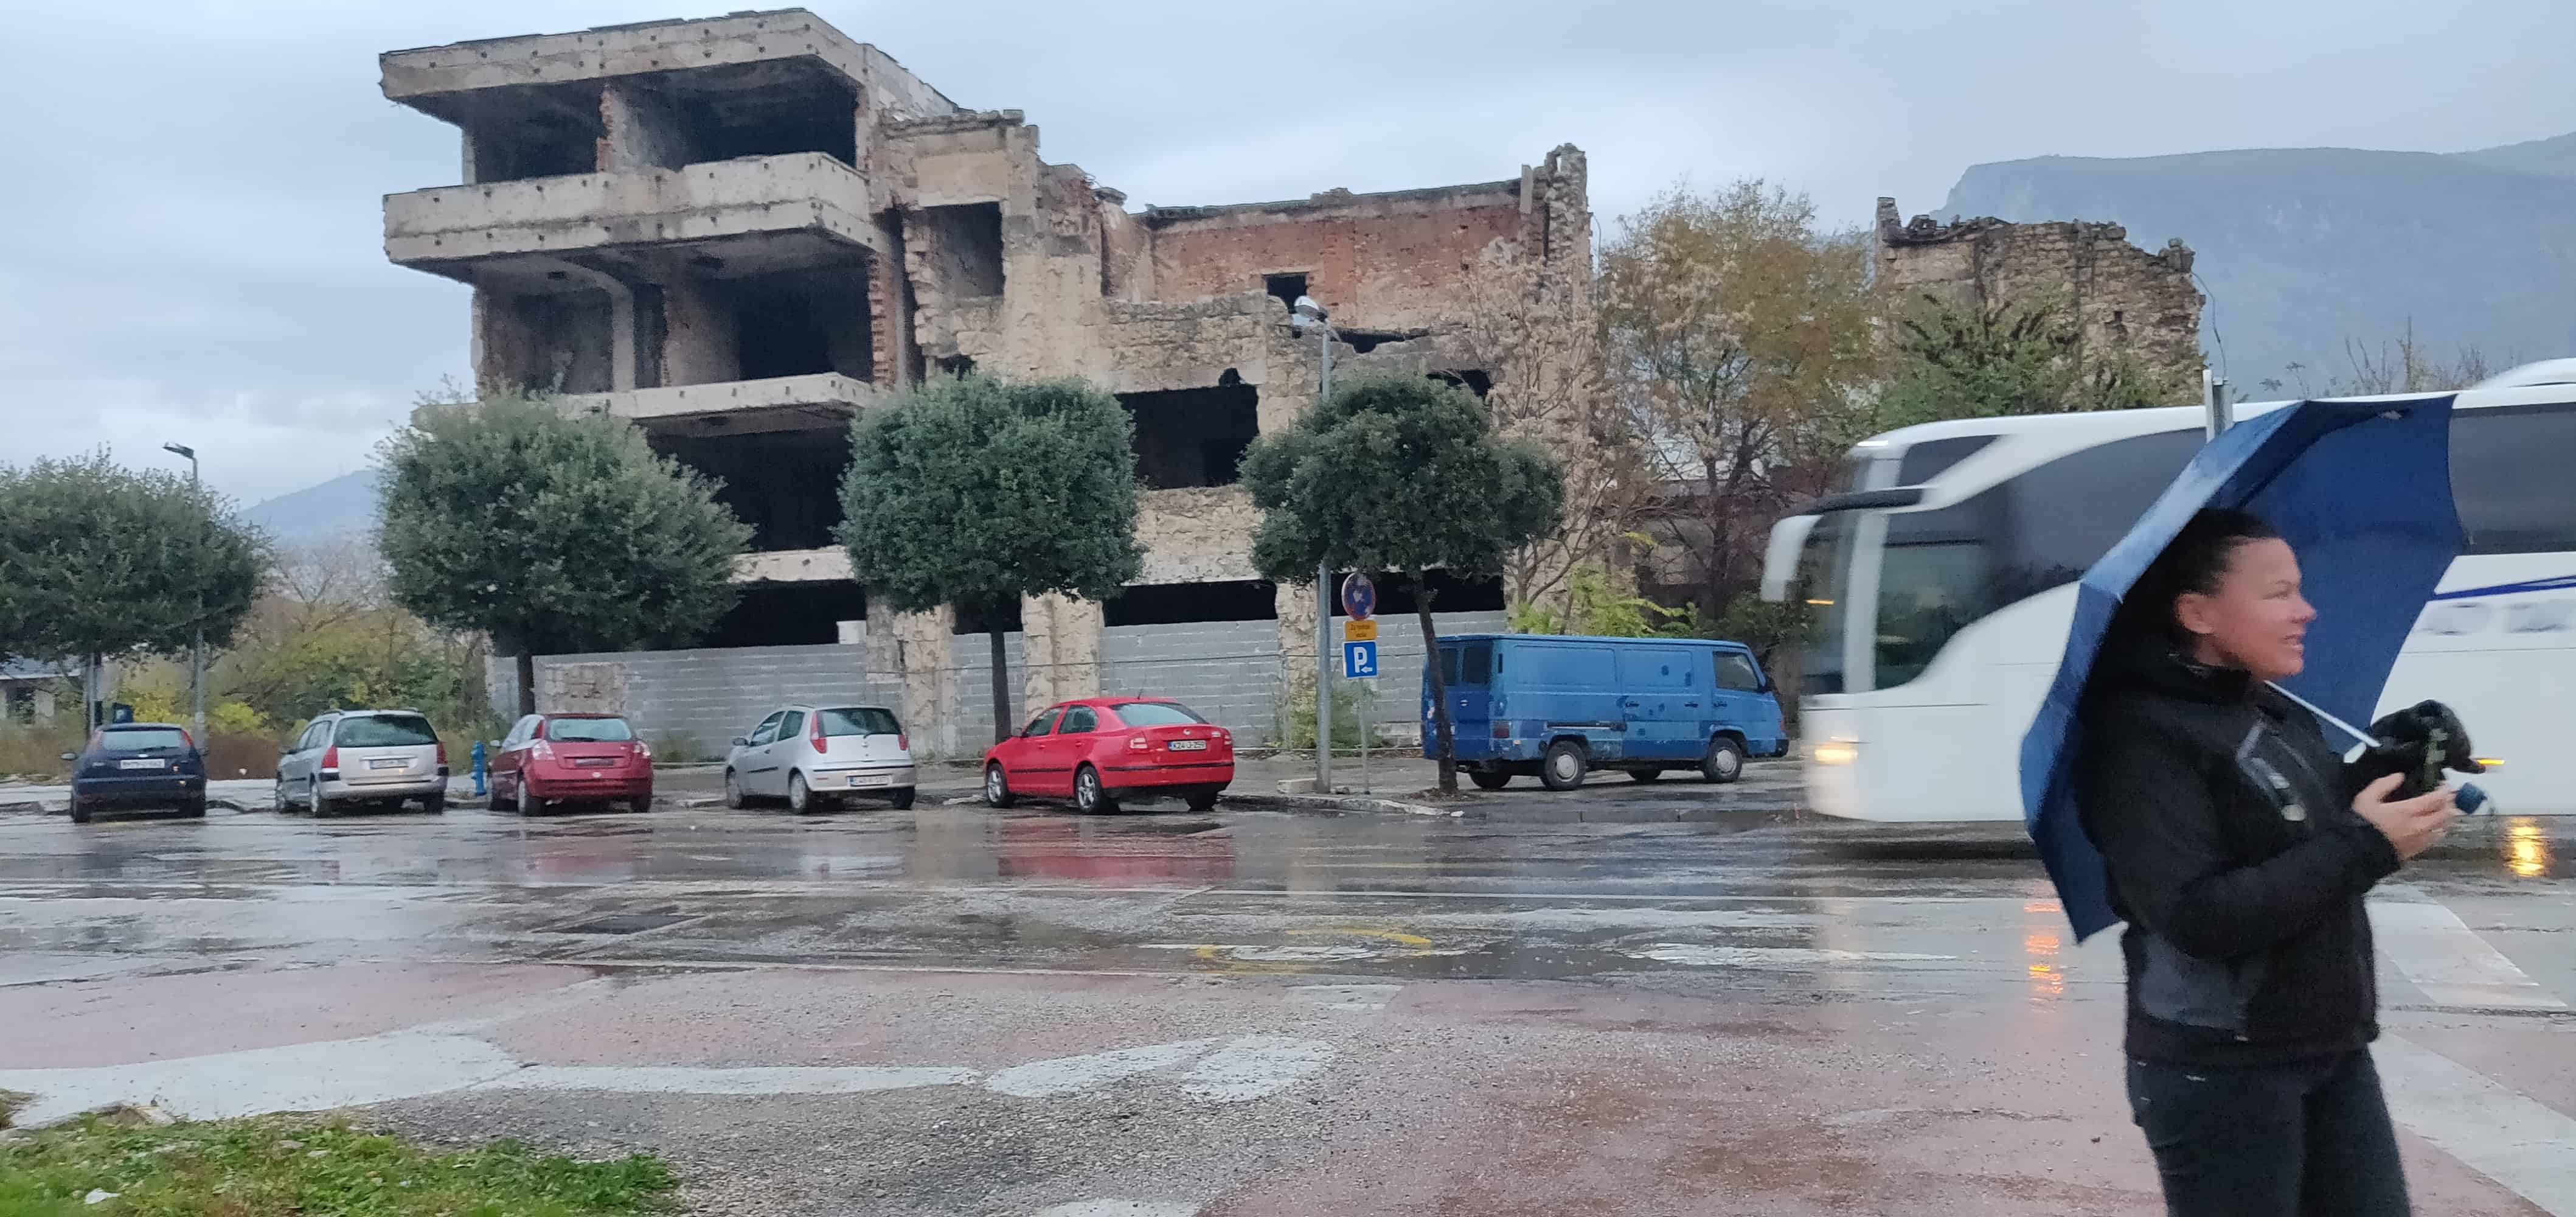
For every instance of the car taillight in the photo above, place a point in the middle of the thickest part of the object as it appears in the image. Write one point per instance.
(331, 757)
(1502, 730)
(541, 750)
(187, 739)
(643, 751)
(903, 740)
(442, 752)
(1137, 743)
(817, 736)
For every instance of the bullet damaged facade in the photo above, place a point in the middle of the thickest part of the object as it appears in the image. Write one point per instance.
(740, 233)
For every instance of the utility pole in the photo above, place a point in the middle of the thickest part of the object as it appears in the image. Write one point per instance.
(1306, 314)
(196, 647)
(2222, 412)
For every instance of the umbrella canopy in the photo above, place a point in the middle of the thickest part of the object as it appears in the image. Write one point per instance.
(2361, 490)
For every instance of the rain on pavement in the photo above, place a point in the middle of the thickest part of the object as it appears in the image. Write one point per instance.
(1676, 999)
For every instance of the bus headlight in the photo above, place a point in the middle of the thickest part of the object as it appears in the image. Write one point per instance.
(1835, 752)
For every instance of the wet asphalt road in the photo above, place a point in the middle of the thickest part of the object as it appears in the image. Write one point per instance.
(1676, 999)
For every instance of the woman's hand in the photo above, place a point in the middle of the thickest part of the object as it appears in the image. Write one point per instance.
(2412, 825)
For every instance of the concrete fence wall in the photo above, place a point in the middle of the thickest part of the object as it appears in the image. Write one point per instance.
(1229, 671)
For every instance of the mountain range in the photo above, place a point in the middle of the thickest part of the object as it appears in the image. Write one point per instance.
(2302, 249)
(342, 507)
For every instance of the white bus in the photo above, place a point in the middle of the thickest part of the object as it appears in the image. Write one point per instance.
(1945, 583)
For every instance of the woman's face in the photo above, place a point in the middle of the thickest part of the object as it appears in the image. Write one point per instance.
(2256, 620)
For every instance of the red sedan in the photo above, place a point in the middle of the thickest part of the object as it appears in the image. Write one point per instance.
(572, 758)
(1099, 748)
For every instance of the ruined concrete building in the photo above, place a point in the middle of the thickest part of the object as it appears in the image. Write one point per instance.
(739, 233)
(2123, 298)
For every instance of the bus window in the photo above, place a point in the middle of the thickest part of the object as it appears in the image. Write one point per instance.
(1933, 457)
(2509, 477)
(1823, 582)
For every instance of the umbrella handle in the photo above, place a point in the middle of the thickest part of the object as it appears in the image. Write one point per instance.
(2467, 797)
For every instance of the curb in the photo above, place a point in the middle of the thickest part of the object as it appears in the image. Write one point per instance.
(1341, 803)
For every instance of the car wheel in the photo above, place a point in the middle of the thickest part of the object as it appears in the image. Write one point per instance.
(193, 809)
(435, 804)
(317, 802)
(1489, 779)
(524, 797)
(1562, 768)
(997, 788)
(733, 791)
(901, 800)
(1725, 760)
(80, 811)
(1089, 796)
(277, 797)
(1205, 800)
(1645, 775)
(799, 799)
(640, 804)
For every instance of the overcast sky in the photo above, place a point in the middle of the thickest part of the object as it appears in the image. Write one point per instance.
(190, 233)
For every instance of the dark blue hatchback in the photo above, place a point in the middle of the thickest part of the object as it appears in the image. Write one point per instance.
(138, 766)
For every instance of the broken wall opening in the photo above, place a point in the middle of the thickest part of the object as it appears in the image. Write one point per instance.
(764, 110)
(1193, 437)
(1449, 594)
(785, 484)
(534, 132)
(801, 322)
(1473, 380)
(967, 241)
(552, 342)
(789, 614)
(1285, 288)
(1186, 603)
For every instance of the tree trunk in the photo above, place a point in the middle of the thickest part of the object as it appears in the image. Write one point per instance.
(1445, 736)
(1002, 716)
(527, 680)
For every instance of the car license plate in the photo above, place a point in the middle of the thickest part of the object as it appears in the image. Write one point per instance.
(869, 779)
(1189, 745)
(389, 763)
(141, 764)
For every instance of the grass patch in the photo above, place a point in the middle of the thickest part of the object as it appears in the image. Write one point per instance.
(10, 1102)
(274, 1165)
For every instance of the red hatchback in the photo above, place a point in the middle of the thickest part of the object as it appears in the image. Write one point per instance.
(572, 758)
(1099, 748)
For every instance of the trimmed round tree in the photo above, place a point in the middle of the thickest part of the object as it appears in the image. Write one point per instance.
(553, 534)
(98, 560)
(976, 493)
(1403, 474)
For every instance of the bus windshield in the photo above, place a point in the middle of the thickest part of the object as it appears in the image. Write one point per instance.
(1824, 582)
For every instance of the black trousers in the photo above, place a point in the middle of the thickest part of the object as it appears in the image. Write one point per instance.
(2306, 1139)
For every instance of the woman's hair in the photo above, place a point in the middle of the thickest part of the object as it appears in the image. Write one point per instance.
(2196, 560)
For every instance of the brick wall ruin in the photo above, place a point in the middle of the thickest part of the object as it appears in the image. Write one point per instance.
(2123, 297)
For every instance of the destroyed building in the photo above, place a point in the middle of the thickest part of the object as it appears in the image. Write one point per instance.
(2121, 297)
(740, 233)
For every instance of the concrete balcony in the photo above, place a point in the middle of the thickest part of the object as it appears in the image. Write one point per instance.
(800, 208)
(822, 401)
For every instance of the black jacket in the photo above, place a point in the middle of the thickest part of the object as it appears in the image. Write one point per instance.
(2237, 860)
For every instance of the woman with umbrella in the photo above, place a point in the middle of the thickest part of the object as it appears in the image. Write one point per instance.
(2238, 849)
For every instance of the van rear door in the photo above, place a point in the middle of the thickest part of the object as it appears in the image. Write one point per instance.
(1467, 667)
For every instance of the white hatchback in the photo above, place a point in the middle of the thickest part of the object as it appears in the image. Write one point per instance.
(819, 756)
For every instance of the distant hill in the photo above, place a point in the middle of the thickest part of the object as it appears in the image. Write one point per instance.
(343, 506)
(2301, 248)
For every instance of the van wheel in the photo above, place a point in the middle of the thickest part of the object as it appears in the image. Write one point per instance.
(1646, 775)
(1489, 779)
(1563, 767)
(1725, 760)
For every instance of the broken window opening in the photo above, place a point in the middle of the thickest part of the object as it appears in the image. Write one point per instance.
(1193, 437)
(790, 614)
(966, 241)
(979, 619)
(1474, 380)
(556, 342)
(1364, 341)
(1449, 594)
(785, 484)
(801, 322)
(1284, 288)
(956, 365)
(544, 141)
(1191, 603)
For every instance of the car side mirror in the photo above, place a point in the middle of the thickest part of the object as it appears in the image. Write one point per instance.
(741, 742)
(71, 756)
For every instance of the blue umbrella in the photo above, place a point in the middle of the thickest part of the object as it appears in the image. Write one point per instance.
(2362, 490)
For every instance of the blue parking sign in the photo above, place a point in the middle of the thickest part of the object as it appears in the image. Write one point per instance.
(1359, 659)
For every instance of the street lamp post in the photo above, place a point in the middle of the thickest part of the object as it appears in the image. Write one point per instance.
(197, 647)
(1308, 315)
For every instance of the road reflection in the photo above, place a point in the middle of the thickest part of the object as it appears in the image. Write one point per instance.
(2526, 849)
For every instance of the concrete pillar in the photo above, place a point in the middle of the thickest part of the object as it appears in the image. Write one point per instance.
(925, 662)
(640, 130)
(1060, 636)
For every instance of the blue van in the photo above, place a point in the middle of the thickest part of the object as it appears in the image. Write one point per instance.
(1558, 707)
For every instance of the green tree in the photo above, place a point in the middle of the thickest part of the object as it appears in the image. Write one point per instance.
(977, 493)
(98, 560)
(1402, 474)
(551, 533)
(2002, 360)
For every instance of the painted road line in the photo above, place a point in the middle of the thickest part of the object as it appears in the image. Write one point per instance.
(2449, 962)
(1362, 999)
(1255, 1066)
(668, 1079)
(300, 1077)
(1076, 1074)
(1120, 1208)
(2505, 1136)
(1774, 957)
